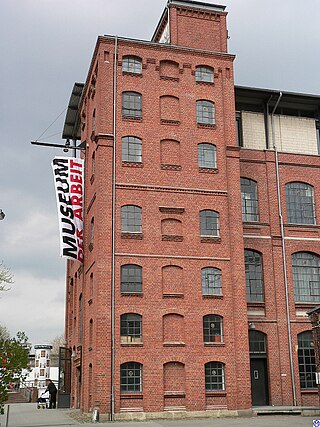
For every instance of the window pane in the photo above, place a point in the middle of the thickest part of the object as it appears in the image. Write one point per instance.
(131, 377)
(209, 223)
(254, 276)
(131, 328)
(300, 203)
(131, 149)
(214, 376)
(257, 342)
(131, 278)
(211, 281)
(205, 112)
(207, 156)
(249, 196)
(306, 277)
(131, 219)
(306, 358)
(212, 328)
(204, 74)
(131, 104)
(131, 64)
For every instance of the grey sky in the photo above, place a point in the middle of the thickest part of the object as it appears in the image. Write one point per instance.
(45, 46)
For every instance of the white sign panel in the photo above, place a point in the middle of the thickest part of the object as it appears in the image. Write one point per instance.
(69, 186)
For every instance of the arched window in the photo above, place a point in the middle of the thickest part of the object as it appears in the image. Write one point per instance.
(131, 377)
(249, 196)
(207, 156)
(212, 328)
(209, 223)
(131, 328)
(307, 363)
(90, 333)
(300, 203)
(215, 376)
(306, 277)
(211, 281)
(205, 112)
(131, 64)
(257, 342)
(131, 278)
(132, 105)
(131, 219)
(254, 276)
(131, 149)
(204, 74)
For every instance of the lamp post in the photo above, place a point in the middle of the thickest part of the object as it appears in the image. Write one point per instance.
(2, 214)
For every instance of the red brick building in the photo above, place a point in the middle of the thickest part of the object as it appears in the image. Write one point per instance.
(201, 235)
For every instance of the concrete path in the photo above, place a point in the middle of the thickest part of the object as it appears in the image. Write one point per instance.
(27, 415)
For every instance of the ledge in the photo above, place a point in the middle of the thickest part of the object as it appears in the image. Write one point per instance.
(174, 344)
(212, 296)
(216, 393)
(175, 394)
(208, 170)
(130, 73)
(137, 395)
(210, 240)
(206, 126)
(173, 295)
(214, 344)
(136, 236)
(132, 164)
(172, 238)
(170, 122)
(132, 119)
(131, 344)
(132, 294)
(172, 79)
(171, 167)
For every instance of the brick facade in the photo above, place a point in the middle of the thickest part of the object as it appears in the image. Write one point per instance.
(171, 190)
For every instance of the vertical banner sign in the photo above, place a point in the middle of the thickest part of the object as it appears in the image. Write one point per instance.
(68, 180)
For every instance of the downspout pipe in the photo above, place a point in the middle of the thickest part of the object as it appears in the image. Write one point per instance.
(112, 397)
(283, 247)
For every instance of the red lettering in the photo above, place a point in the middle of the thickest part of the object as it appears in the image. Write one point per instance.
(75, 200)
(74, 164)
(78, 214)
(76, 189)
(76, 178)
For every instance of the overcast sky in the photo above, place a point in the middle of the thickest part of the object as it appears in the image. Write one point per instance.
(46, 46)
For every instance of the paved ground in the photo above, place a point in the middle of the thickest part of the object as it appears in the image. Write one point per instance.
(27, 415)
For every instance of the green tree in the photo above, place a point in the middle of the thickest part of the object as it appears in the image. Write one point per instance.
(13, 359)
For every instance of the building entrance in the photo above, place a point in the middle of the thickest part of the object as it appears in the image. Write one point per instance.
(258, 368)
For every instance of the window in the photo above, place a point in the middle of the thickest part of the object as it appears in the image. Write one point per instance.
(257, 342)
(306, 277)
(131, 149)
(92, 230)
(205, 112)
(211, 281)
(212, 328)
(207, 156)
(43, 353)
(249, 196)
(131, 377)
(93, 163)
(42, 371)
(209, 223)
(131, 328)
(306, 357)
(204, 74)
(214, 376)
(131, 278)
(254, 276)
(239, 129)
(132, 105)
(131, 64)
(131, 219)
(300, 203)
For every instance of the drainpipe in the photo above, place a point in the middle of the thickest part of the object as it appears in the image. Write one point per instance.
(113, 230)
(284, 260)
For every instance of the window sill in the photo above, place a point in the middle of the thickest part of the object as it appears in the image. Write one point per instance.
(305, 304)
(170, 122)
(132, 164)
(206, 126)
(135, 236)
(171, 167)
(208, 170)
(131, 344)
(201, 82)
(132, 119)
(212, 296)
(173, 295)
(132, 294)
(131, 73)
(309, 391)
(174, 344)
(172, 79)
(256, 303)
(172, 238)
(174, 394)
(302, 225)
(214, 344)
(210, 240)
(130, 395)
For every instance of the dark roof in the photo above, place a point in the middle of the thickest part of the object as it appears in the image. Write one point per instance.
(256, 99)
(71, 129)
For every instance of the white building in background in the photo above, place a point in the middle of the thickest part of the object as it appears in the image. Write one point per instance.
(42, 369)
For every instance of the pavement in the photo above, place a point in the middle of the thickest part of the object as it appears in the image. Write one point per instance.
(27, 415)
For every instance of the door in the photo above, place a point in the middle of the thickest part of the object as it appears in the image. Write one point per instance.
(259, 382)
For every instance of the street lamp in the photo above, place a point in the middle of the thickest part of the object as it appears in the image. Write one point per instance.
(2, 214)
